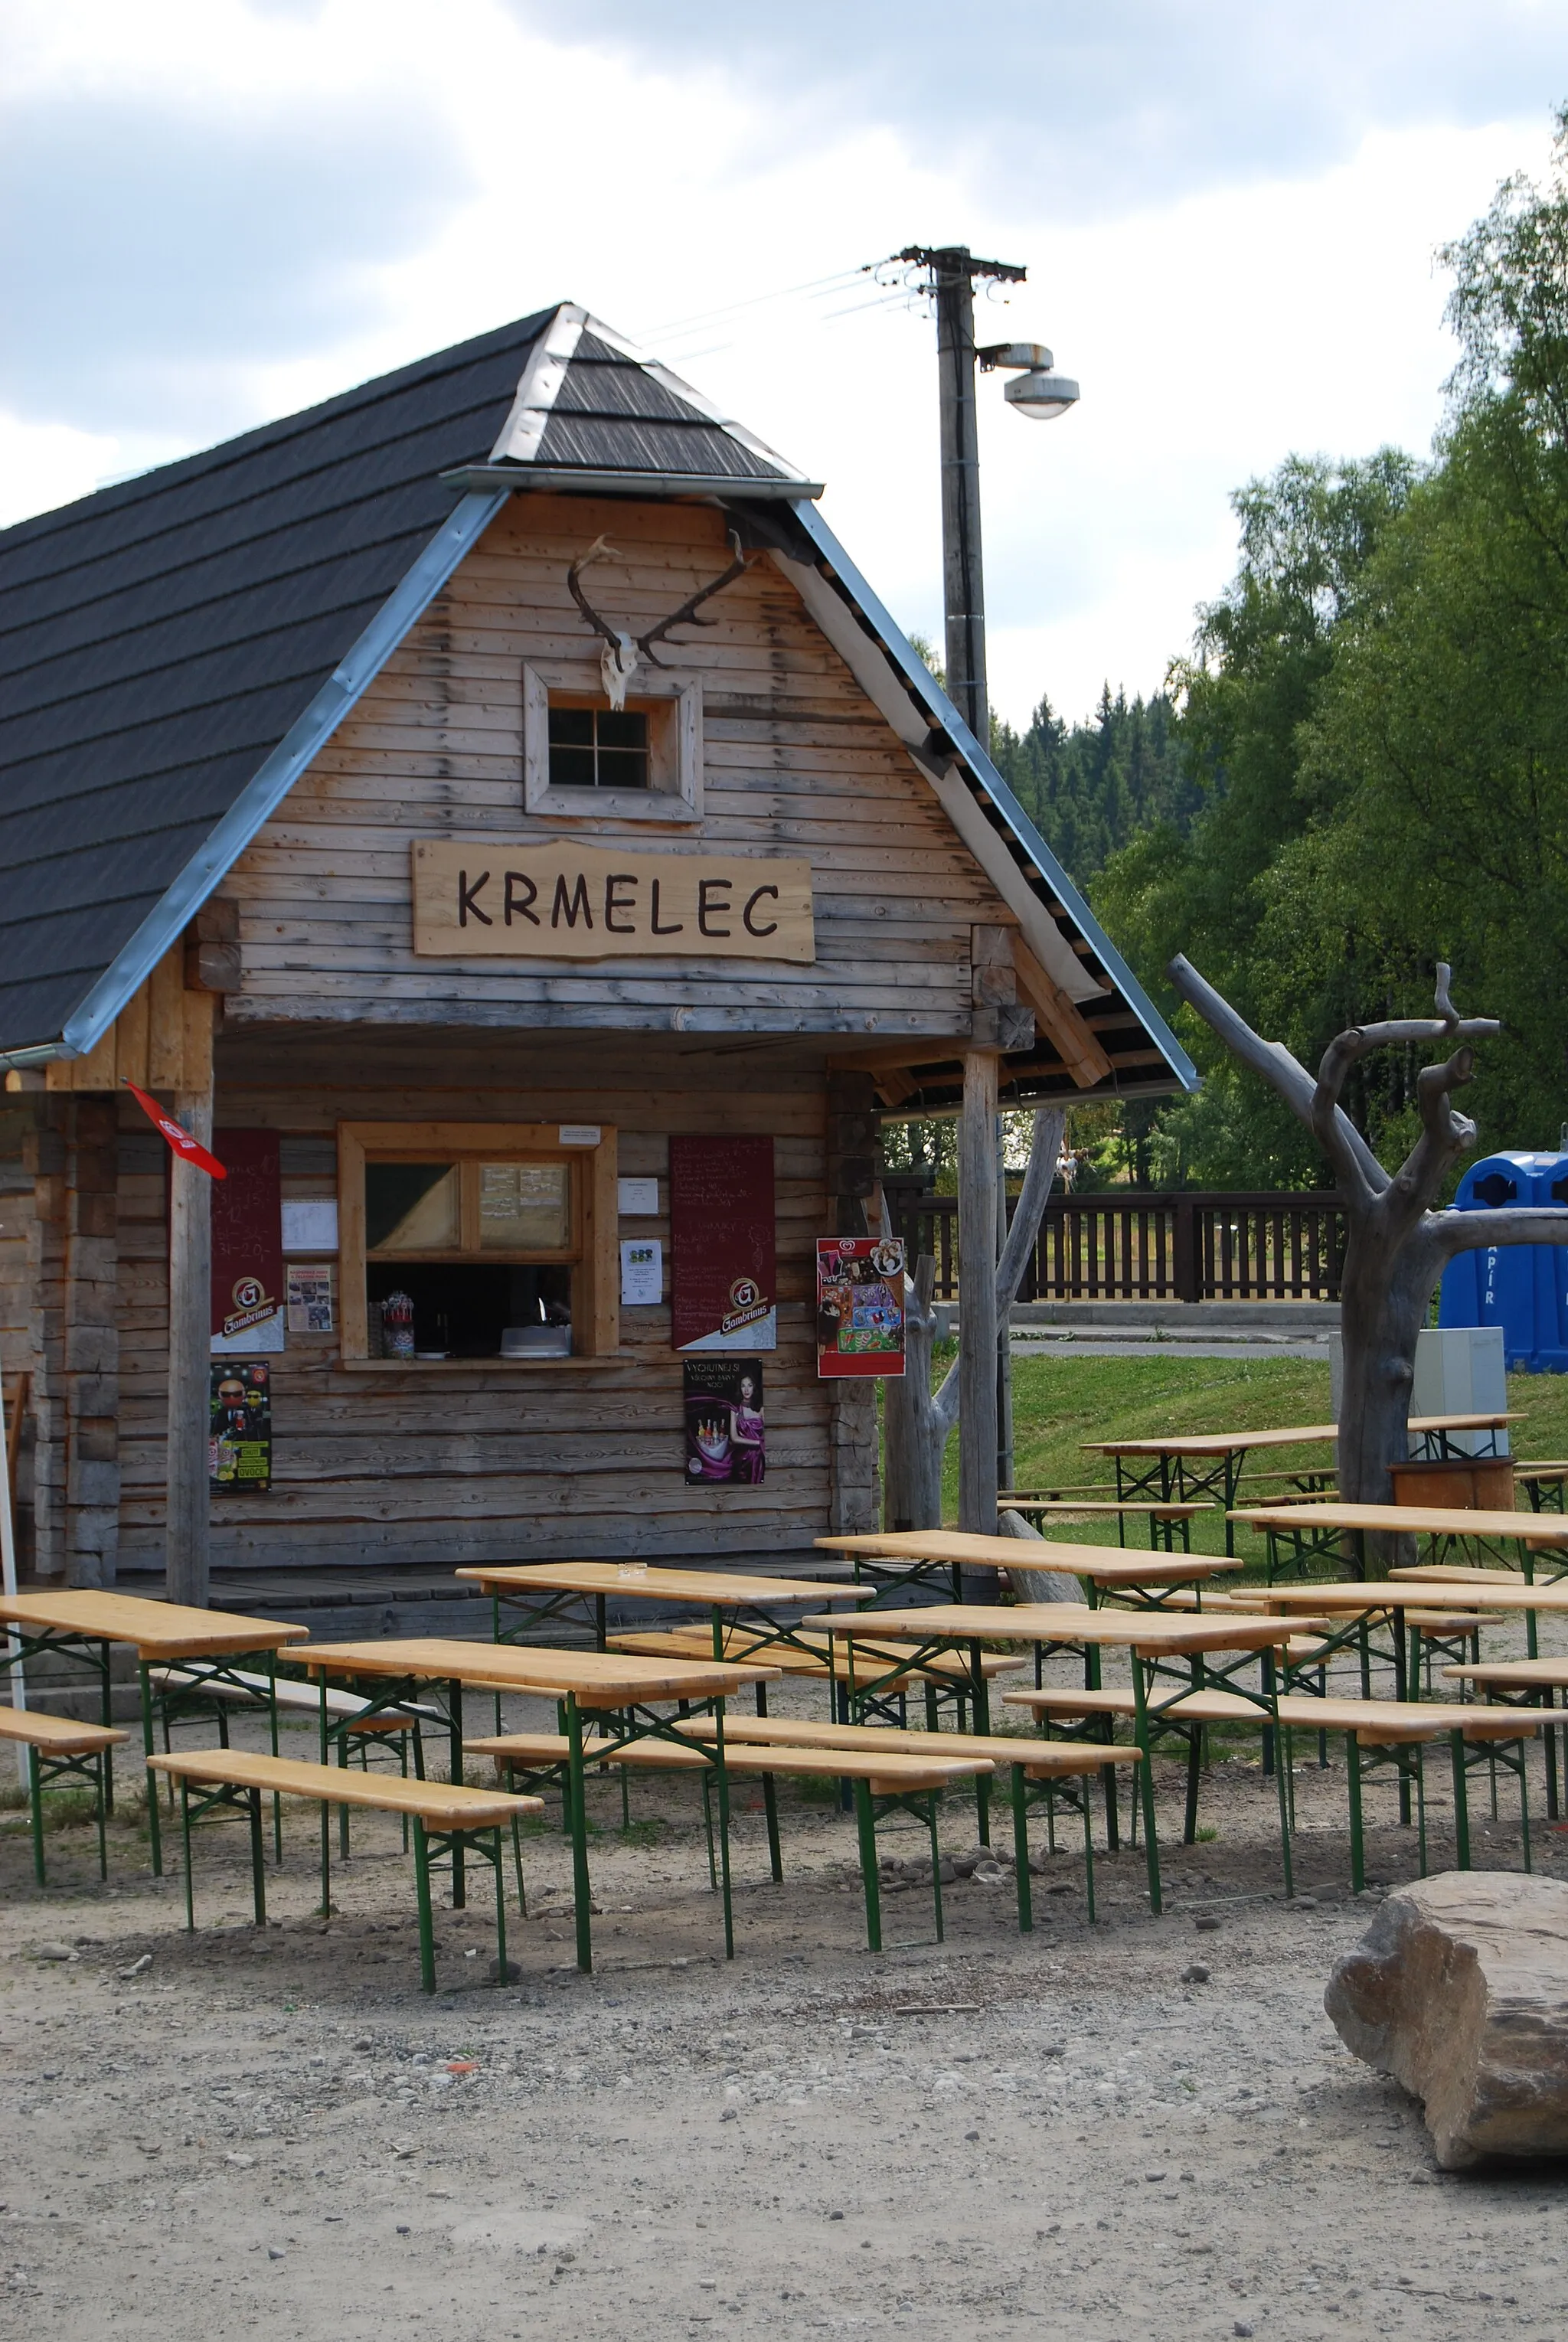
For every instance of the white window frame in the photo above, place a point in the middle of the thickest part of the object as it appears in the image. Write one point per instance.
(674, 791)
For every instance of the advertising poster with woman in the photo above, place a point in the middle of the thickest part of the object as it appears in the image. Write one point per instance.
(859, 1306)
(724, 1440)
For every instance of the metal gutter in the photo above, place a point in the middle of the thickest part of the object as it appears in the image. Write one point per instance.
(265, 792)
(920, 679)
(516, 478)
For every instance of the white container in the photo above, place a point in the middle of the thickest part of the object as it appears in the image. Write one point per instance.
(536, 1342)
(1458, 1370)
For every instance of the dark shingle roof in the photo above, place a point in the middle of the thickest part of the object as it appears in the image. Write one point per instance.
(158, 640)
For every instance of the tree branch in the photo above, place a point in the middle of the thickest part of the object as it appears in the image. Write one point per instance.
(1284, 1074)
(1524, 1224)
(1050, 1122)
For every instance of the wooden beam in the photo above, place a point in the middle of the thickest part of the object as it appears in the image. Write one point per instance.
(187, 1537)
(1060, 1020)
(977, 1295)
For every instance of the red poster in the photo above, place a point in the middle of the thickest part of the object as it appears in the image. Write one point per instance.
(859, 1306)
(247, 1245)
(724, 1286)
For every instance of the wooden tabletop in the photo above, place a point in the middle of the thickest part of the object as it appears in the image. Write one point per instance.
(439, 1801)
(1107, 1564)
(1409, 1593)
(724, 1589)
(1518, 1673)
(1237, 1442)
(600, 1678)
(159, 1630)
(1075, 1622)
(1410, 1520)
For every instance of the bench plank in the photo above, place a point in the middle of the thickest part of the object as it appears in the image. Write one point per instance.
(445, 1805)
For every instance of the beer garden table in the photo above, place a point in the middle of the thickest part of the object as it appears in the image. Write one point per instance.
(1152, 1641)
(935, 1554)
(85, 1624)
(622, 1689)
(541, 1592)
(1187, 1464)
(1318, 1530)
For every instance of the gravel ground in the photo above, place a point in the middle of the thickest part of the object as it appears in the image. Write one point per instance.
(277, 2132)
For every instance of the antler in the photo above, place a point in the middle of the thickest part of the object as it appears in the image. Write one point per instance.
(623, 653)
(687, 613)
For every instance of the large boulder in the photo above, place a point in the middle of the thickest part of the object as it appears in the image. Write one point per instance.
(1460, 1990)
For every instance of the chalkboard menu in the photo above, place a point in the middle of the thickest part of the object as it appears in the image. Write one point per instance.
(724, 1282)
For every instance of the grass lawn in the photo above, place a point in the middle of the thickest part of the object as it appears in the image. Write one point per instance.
(1059, 1403)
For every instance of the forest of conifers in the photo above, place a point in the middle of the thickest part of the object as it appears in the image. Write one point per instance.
(1362, 765)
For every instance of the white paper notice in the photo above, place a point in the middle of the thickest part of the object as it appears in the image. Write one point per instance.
(637, 1198)
(309, 1225)
(642, 1272)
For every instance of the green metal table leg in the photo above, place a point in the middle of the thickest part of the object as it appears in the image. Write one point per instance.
(1460, 1801)
(500, 1908)
(1420, 1809)
(258, 1858)
(271, 1716)
(722, 1770)
(1524, 1805)
(422, 1894)
(981, 1696)
(35, 1803)
(1146, 1781)
(186, 1842)
(517, 1867)
(326, 1811)
(1089, 1851)
(455, 1722)
(866, 1824)
(578, 1809)
(932, 1798)
(106, 1789)
(1283, 1781)
(1021, 1850)
(154, 1830)
(1357, 1839)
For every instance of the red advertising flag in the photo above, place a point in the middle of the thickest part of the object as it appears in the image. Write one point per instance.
(189, 1150)
(724, 1285)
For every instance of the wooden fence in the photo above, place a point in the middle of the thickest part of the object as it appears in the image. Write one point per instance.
(1128, 1245)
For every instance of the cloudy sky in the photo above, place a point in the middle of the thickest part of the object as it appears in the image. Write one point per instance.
(214, 211)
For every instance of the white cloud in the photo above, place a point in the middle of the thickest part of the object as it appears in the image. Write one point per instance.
(1213, 335)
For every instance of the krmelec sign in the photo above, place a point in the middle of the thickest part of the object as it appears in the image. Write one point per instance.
(490, 898)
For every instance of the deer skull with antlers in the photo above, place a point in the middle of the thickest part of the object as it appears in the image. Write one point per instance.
(624, 654)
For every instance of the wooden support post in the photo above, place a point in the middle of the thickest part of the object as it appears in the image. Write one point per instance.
(977, 1482)
(190, 1350)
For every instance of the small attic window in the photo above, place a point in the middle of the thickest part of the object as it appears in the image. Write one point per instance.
(584, 760)
(597, 747)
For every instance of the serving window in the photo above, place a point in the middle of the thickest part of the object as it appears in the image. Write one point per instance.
(464, 1242)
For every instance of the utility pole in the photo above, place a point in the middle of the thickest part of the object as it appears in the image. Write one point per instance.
(955, 272)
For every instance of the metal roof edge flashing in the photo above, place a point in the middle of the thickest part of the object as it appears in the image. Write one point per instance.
(514, 478)
(919, 678)
(268, 787)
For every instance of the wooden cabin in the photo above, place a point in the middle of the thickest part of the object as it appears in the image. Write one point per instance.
(460, 797)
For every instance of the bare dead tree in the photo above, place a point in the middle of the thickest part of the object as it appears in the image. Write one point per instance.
(918, 1422)
(624, 654)
(1398, 1244)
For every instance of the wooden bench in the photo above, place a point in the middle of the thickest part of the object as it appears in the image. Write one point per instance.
(885, 1780)
(1045, 1764)
(60, 1749)
(1375, 1725)
(448, 1818)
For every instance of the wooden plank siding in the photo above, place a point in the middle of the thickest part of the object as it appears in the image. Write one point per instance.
(435, 1467)
(796, 759)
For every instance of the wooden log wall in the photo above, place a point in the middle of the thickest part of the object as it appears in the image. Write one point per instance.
(453, 1465)
(796, 760)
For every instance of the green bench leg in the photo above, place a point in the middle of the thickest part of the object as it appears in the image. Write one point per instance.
(866, 1824)
(105, 1792)
(35, 1803)
(517, 1866)
(722, 1770)
(931, 1801)
(500, 1907)
(578, 1823)
(771, 1803)
(1357, 1838)
(426, 1919)
(1147, 1784)
(258, 1858)
(1089, 1851)
(1021, 1850)
(154, 1830)
(185, 1843)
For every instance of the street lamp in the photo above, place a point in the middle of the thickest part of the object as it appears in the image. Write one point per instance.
(1038, 391)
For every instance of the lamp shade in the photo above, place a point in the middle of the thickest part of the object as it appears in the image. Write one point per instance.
(1041, 394)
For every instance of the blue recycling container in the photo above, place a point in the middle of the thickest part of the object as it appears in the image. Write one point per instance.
(1522, 1288)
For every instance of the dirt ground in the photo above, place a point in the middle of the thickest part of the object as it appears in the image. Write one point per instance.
(277, 2132)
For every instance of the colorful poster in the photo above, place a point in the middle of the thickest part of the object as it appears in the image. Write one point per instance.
(859, 1306)
(240, 1425)
(247, 1245)
(309, 1288)
(724, 1440)
(723, 1289)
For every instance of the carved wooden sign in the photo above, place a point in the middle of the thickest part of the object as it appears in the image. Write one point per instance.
(518, 899)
